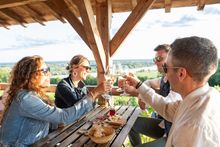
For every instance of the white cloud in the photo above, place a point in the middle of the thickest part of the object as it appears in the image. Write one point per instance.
(57, 41)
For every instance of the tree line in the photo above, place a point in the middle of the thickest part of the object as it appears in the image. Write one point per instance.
(58, 68)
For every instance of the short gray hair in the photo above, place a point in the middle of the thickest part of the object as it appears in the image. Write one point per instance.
(198, 55)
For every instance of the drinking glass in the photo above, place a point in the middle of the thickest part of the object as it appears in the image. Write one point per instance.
(108, 76)
(125, 72)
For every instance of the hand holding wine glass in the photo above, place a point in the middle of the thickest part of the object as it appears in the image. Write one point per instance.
(109, 80)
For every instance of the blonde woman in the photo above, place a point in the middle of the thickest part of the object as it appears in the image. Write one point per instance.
(28, 112)
(72, 89)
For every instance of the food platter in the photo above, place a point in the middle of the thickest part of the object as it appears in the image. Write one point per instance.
(104, 127)
(101, 134)
(116, 121)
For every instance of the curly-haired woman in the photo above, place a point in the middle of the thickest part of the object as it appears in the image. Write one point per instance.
(28, 112)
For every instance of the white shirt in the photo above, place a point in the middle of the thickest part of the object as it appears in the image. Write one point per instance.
(196, 119)
(155, 84)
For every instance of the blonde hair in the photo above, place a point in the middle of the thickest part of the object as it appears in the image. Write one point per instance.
(76, 61)
(25, 75)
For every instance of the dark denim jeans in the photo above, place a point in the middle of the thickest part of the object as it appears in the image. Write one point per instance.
(147, 126)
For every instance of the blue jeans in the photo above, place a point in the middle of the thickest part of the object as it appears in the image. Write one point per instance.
(147, 126)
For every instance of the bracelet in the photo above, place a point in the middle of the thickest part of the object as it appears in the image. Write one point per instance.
(138, 84)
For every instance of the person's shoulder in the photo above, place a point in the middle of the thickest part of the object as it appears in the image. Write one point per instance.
(24, 95)
(63, 81)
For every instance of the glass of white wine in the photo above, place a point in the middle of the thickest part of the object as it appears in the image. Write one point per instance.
(109, 76)
(125, 72)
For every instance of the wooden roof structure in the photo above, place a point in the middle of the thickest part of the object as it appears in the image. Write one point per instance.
(91, 19)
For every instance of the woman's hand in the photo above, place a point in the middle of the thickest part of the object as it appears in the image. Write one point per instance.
(108, 86)
(103, 87)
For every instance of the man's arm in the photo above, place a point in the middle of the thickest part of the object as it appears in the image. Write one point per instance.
(153, 83)
(159, 103)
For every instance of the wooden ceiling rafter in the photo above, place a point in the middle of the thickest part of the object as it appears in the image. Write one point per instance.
(201, 5)
(35, 15)
(134, 3)
(103, 21)
(167, 5)
(135, 16)
(118, 6)
(16, 3)
(52, 9)
(14, 16)
(92, 33)
(72, 7)
(4, 24)
(74, 21)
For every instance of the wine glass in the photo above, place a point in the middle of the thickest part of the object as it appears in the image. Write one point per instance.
(108, 76)
(118, 73)
(125, 72)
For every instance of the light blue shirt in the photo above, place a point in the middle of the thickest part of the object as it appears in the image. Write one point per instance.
(28, 118)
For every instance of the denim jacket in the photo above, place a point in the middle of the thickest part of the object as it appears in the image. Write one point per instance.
(28, 117)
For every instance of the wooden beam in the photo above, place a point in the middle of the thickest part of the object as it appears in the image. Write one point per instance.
(92, 32)
(34, 14)
(4, 24)
(54, 11)
(167, 4)
(72, 7)
(14, 16)
(4, 21)
(135, 16)
(103, 20)
(64, 9)
(201, 5)
(15, 3)
(134, 3)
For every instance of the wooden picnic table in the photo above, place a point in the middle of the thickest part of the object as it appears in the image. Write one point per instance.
(70, 136)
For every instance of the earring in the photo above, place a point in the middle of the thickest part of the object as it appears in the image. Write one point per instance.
(74, 73)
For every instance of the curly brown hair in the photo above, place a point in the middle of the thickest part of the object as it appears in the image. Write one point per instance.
(25, 75)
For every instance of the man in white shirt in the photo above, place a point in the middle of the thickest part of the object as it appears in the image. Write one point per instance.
(196, 119)
(154, 127)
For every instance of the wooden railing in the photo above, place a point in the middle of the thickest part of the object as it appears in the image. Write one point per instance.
(52, 88)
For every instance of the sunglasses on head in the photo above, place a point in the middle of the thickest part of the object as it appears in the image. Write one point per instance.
(158, 59)
(45, 70)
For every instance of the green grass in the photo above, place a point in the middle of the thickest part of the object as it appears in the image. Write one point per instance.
(1, 92)
(148, 75)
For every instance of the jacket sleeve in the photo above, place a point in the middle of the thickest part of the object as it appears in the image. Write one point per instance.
(66, 93)
(33, 107)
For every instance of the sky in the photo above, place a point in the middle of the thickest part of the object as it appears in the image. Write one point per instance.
(59, 42)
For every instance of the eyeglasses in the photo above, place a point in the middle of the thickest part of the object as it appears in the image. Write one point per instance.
(86, 67)
(45, 71)
(165, 67)
(158, 59)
